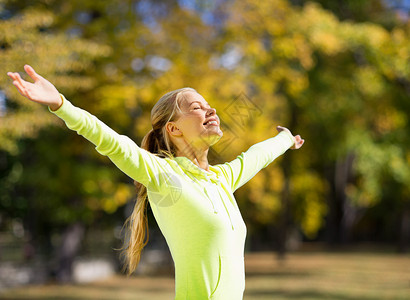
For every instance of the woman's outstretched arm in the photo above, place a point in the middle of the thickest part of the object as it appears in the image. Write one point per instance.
(246, 165)
(134, 161)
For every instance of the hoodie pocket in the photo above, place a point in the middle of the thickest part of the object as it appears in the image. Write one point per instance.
(231, 281)
(214, 293)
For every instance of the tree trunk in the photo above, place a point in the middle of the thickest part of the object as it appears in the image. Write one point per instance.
(348, 214)
(404, 231)
(69, 248)
(342, 214)
(285, 216)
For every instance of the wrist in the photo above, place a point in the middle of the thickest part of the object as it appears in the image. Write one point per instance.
(57, 105)
(290, 137)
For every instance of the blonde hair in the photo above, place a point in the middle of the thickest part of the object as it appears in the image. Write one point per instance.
(156, 141)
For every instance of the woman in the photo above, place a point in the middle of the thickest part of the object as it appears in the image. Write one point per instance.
(192, 201)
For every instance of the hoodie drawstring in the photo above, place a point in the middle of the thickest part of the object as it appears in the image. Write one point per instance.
(210, 199)
(197, 174)
(213, 194)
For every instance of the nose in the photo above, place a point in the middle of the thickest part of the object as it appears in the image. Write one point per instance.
(211, 111)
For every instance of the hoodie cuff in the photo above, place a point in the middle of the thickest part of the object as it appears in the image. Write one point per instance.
(63, 101)
(289, 137)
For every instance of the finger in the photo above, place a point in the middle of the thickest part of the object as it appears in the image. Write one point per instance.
(17, 82)
(280, 128)
(30, 71)
(19, 87)
(12, 75)
(20, 80)
(21, 84)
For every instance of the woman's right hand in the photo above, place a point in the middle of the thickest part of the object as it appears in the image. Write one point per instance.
(41, 91)
(298, 141)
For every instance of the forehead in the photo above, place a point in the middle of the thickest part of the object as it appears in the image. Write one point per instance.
(192, 97)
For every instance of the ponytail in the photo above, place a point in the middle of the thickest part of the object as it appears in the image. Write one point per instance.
(137, 223)
(157, 142)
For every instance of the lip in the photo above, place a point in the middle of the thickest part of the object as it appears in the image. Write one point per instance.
(212, 119)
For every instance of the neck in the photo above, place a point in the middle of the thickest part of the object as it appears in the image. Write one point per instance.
(198, 156)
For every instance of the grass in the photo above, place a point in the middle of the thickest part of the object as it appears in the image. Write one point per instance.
(315, 275)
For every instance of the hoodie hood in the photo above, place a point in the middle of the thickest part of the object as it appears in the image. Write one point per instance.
(213, 175)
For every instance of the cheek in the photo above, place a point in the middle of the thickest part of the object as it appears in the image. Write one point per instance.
(191, 125)
(193, 121)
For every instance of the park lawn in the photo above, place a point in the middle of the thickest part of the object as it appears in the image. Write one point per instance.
(314, 275)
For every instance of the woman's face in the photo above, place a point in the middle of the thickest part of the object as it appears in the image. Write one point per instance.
(197, 123)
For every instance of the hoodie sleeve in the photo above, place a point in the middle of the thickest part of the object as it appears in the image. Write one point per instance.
(247, 164)
(134, 161)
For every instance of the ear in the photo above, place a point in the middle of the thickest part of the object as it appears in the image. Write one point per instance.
(173, 129)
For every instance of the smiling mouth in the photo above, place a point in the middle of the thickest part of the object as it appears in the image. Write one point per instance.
(215, 123)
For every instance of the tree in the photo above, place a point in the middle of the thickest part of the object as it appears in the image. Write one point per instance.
(333, 81)
(30, 186)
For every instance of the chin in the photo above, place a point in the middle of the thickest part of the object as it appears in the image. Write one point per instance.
(215, 138)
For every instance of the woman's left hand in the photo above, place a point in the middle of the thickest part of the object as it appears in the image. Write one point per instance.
(41, 91)
(298, 140)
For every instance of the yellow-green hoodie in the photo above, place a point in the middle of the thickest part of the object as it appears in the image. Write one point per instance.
(195, 209)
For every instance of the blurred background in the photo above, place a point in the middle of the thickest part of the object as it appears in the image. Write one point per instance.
(335, 72)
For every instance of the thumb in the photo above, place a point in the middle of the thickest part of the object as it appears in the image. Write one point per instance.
(30, 71)
(279, 128)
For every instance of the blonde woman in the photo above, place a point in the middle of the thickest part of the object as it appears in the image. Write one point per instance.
(192, 201)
